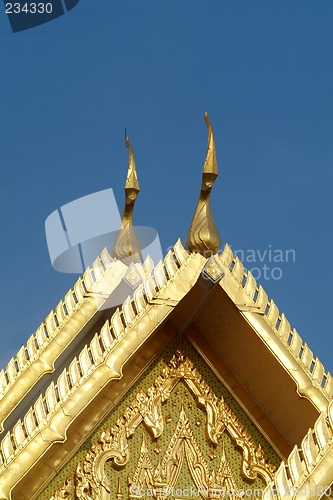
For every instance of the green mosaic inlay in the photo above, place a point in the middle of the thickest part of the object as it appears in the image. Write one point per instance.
(180, 398)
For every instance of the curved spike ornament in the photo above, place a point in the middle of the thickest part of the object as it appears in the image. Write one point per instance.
(132, 178)
(127, 246)
(203, 236)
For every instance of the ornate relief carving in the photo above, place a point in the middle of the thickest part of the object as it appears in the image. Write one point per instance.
(213, 270)
(90, 480)
(183, 445)
(144, 473)
(66, 491)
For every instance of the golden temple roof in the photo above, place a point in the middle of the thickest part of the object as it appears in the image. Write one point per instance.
(203, 295)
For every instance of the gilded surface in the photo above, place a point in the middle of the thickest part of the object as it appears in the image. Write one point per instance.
(47, 420)
(203, 236)
(213, 270)
(127, 246)
(275, 331)
(177, 432)
(132, 276)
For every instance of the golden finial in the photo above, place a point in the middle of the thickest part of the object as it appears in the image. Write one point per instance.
(127, 246)
(203, 236)
(132, 178)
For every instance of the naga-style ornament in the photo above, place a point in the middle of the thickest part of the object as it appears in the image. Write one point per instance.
(203, 236)
(127, 246)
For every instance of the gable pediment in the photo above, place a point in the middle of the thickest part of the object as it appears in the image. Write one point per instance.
(172, 430)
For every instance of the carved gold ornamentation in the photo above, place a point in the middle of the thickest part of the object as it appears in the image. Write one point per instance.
(66, 491)
(144, 473)
(183, 446)
(132, 276)
(90, 479)
(127, 246)
(213, 270)
(119, 495)
(203, 236)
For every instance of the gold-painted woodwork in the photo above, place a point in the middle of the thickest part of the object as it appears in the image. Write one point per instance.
(127, 246)
(308, 471)
(311, 463)
(203, 235)
(114, 444)
(60, 327)
(304, 475)
(183, 447)
(238, 392)
(47, 421)
(275, 331)
(67, 490)
(243, 291)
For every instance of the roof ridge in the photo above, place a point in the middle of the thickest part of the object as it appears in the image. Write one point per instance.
(255, 300)
(53, 322)
(36, 348)
(90, 358)
(302, 463)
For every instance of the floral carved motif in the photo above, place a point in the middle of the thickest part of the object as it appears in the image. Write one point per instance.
(90, 481)
(66, 491)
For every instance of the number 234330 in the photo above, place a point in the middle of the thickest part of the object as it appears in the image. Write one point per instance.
(29, 8)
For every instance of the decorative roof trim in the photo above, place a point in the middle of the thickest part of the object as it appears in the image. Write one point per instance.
(46, 422)
(43, 347)
(113, 444)
(275, 331)
(308, 470)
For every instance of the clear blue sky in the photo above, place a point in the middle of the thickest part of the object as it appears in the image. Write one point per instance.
(264, 71)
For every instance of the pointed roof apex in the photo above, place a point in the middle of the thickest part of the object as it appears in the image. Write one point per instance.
(210, 166)
(132, 178)
(203, 236)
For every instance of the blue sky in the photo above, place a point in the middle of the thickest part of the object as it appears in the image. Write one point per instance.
(263, 69)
